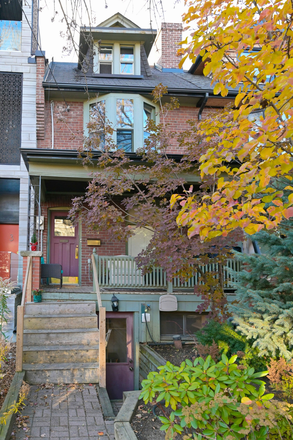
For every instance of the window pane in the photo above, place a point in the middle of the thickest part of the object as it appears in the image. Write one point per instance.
(98, 111)
(98, 116)
(116, 347)
(126, 69)
(105, 54)
(126, 54)
(124, 112)
(105, 68)
(63, 227)
(194, 323)
(171, 323)
(124, 140)
(148, 113)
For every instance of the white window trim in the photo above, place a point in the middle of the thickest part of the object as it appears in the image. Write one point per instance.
(116, 56)
(110, 105)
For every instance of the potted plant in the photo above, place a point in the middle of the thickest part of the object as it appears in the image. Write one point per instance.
(34, 242)
(37, 295)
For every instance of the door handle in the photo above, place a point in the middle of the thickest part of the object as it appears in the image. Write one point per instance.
(131, 368)
(76, 252)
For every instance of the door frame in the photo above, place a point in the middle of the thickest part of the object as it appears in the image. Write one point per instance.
(125, 315)
(64, 208)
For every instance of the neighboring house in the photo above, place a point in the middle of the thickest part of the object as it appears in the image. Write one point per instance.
(113, 73)
(18, 48)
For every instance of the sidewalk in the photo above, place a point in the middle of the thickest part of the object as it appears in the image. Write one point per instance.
(62, 413)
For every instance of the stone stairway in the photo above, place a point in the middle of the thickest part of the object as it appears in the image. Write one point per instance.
(61, 342)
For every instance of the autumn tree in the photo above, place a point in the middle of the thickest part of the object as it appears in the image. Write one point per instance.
(131, 191)
(246, 45)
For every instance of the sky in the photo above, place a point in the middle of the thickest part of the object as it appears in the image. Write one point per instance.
(53, 26)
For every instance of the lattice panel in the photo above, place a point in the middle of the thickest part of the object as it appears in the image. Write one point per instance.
(10, 117)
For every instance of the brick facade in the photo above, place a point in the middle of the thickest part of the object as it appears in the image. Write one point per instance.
(68, 125)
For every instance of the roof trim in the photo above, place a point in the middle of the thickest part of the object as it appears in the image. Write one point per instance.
(124, 88)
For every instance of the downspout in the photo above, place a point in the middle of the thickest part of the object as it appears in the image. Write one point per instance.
(202, 106)
(52, 121)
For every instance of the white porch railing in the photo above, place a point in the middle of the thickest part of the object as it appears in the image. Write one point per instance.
(122, 271)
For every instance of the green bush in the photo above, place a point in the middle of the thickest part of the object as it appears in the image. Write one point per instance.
(211, 400)
(230, 342)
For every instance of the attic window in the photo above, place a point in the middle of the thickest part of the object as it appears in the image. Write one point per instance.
(126, 60)
(105, 58)
(116, 58)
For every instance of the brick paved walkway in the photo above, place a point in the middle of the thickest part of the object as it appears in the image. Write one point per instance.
(62, 413)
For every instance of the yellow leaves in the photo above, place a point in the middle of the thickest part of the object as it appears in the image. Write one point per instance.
(246, 401)
(265, 153)
(252, 228)
(239, 98)
(174, 199)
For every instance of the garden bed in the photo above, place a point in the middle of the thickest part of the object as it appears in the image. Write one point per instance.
(145, 424)
(8, 370)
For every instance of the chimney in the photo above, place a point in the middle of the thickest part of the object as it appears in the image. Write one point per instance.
(170, 35)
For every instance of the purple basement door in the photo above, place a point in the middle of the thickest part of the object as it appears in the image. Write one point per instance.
(64, 243)
(119, 354)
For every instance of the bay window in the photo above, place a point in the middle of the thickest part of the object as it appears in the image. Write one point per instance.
(127, 115)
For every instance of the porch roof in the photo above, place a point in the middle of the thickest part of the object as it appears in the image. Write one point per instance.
(66, 165)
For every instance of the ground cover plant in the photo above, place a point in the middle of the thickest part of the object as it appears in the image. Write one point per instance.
(205, 399)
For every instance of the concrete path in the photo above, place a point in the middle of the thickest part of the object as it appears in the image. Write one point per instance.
(62, 413)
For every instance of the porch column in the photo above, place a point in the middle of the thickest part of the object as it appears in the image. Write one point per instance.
(34, 277)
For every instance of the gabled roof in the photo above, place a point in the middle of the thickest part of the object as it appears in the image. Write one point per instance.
(118, 20)
(115, 28)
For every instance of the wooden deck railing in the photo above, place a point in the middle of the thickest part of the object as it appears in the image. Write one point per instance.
(20, 314)
(102, 329)
(122, 271)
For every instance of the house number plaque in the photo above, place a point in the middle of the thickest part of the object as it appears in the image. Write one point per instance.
(91, 242)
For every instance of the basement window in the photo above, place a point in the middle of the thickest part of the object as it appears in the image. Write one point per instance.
(10, 25)
(180, 323)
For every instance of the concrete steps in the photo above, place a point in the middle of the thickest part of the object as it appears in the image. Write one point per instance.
(69, 296)
(61, 342)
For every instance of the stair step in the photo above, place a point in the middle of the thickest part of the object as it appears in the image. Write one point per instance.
(62, 373)
(60, 321)
(69, 296)
(67, 308)
(68, 337)
(60, 354)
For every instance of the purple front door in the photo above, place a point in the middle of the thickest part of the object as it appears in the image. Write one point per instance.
(119, 354)
(64, 243)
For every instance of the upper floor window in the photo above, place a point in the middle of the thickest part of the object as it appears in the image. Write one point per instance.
(105, 57)
(117, 58)
(126, 60)
(10, 25)
(127, 114)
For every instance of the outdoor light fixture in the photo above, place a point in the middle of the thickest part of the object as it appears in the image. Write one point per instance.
(115, 303)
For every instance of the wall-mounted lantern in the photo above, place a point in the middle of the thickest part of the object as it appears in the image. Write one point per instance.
(115, 303)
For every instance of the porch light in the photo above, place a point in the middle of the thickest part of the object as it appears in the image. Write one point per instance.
(115, 303)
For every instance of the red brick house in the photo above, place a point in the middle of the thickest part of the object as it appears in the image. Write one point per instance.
(113, 70)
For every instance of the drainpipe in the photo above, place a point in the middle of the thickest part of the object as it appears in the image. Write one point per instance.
(202, 106)
(52, 121)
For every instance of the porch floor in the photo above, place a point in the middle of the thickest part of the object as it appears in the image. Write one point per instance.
(73, 288)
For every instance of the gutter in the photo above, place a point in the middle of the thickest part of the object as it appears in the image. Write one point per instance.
(95, 88)
(203, 104)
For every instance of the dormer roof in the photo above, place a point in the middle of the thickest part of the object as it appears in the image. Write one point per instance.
(115, 28)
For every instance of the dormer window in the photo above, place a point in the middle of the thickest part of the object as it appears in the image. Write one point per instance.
(116, 58)
(105, 59)
(126, 60)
